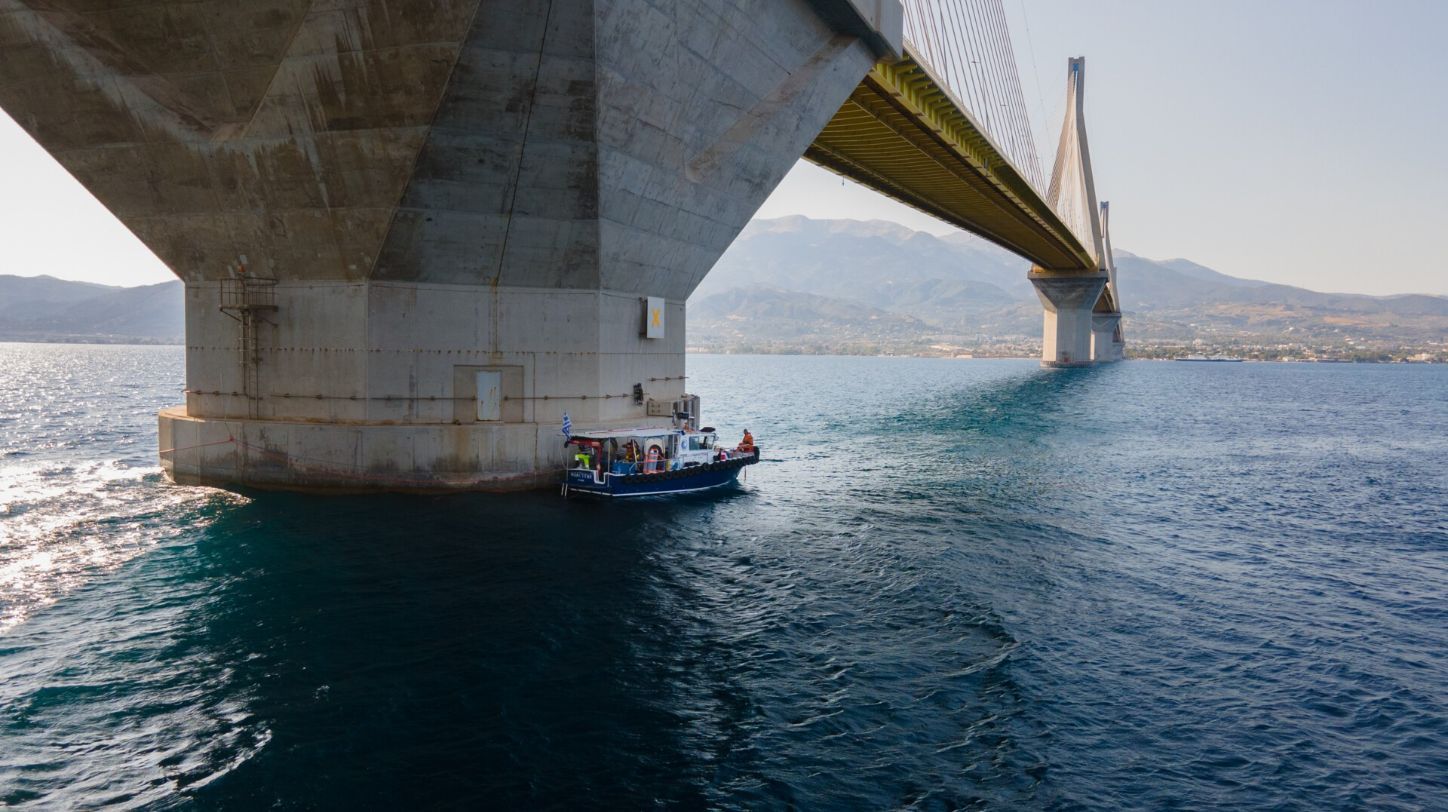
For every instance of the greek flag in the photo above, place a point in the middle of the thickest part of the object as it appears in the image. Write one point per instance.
(567, 426)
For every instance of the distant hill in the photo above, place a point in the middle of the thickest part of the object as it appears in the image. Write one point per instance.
(43, 308)
(968, 292)
(806, 322)
(799, 285)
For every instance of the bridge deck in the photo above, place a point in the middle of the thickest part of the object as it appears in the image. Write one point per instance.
(902, 134)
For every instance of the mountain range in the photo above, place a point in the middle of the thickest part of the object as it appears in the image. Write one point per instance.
(795, 284)
(43, 308)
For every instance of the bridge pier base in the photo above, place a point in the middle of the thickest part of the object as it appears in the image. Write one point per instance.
(355, 386)
(365, 457)
(1068, 300)
(1104, 346)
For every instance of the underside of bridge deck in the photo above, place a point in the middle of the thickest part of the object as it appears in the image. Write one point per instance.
(902, 134)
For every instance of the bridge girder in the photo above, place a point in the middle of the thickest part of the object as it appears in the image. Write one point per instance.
(902, 133)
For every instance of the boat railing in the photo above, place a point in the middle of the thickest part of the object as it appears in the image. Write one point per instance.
(626, 468)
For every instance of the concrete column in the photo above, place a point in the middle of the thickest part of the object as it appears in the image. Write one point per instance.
(386, 385)
(1104, 346)
(1068, 300)
(438, 198)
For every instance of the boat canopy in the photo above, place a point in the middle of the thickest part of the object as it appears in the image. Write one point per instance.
(617, 434)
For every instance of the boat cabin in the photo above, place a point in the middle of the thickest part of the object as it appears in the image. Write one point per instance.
(640, 461)
(643, 450)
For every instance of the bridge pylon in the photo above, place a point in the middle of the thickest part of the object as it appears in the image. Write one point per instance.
(1106, 339)
(1070, 297)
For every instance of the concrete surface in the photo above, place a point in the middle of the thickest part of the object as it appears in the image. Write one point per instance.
(1068, 301)
(439, 187)
(1104, 346)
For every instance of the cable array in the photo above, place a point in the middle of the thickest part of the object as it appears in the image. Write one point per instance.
(967, 45)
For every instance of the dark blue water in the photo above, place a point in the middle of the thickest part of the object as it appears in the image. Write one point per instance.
(950, 585)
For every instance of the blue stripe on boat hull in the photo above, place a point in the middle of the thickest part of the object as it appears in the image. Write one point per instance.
(704, 482)
(689, 480)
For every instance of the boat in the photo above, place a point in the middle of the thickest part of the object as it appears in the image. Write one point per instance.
(1220, 359)
(652, 462)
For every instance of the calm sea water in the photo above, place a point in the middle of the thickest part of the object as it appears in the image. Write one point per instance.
(950, 585)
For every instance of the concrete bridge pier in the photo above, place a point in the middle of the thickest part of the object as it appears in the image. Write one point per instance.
(415, 233)
(1068, 300)
(1105, 346)
(336, 385)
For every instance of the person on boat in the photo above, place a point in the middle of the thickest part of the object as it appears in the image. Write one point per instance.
(747, 444)
(582, 459)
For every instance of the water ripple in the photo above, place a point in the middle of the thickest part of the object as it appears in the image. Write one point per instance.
(951, 586)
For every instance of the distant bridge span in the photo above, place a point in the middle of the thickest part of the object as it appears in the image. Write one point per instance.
(907, 132)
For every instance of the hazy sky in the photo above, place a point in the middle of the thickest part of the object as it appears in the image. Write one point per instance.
(1296, 141)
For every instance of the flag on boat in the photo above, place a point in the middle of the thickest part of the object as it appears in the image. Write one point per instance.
(567, 426)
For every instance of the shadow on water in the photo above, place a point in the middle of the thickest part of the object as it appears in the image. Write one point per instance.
(1020, 406)
(1008, 443)
(785, 645)
(408, 650)
(412, 651)
(523, 651)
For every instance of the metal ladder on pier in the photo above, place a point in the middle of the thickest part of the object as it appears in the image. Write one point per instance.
(249, 300)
